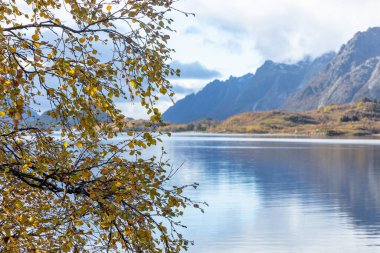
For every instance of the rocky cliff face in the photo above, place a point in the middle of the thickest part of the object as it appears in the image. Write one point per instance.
(354, 73)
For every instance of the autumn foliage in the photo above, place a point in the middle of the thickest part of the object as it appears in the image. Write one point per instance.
(84, 190)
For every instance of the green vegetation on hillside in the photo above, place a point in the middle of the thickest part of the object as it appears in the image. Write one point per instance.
(357, 119)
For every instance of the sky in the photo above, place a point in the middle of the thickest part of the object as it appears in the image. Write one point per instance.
(235, 37)
(232, 38)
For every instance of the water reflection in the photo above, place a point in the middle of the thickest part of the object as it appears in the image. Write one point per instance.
(270, 196)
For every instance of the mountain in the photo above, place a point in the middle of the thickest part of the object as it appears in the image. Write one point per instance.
(208, 103)
(28, 117)
(353, 74)
(45, 120)
(348, 76)
(267, 89)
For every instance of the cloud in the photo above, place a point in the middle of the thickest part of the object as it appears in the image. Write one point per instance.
(178, 89)
(233, 46)
(137, 111)
(192, 30)
(194, 70)
(279, 30)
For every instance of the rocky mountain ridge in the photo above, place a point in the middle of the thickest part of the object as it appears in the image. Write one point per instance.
(348, 76)
(354, 73)
(267, 89)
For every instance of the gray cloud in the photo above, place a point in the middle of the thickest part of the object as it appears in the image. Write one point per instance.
(209, 42)
(233, 46)
(280, 36)
(192, 30)
(280, 30)
(194, 70)
(225, 25)
(178, 89)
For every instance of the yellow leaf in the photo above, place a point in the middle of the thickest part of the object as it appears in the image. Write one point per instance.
(2, 114)
(133, 84)
(104, 225)
(71, 71)
(79, 223)
(130, 145)
(23, 218)
(65, 144)
(50, 91)
(82, 40)
(87, 174)
(65, 247)
(79, 144)
(25, 168)
(35, 37)
(128, 231)
(163, 90)
(109, 7)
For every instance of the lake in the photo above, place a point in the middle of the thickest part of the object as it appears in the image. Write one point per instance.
(280, 195)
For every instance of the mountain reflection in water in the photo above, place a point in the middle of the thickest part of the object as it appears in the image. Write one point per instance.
(268, 195)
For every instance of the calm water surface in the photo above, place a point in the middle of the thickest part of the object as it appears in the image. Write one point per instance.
(280, 195)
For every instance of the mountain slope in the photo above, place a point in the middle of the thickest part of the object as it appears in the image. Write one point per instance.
(269, 88)
(353, 74)
(208, 102)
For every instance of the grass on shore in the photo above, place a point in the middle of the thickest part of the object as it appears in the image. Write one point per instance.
(357, 119)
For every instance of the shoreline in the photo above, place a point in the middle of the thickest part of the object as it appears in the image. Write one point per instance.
(281, 135)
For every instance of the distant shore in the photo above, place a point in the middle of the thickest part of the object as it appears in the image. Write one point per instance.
(361, 119)
(281, 135)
